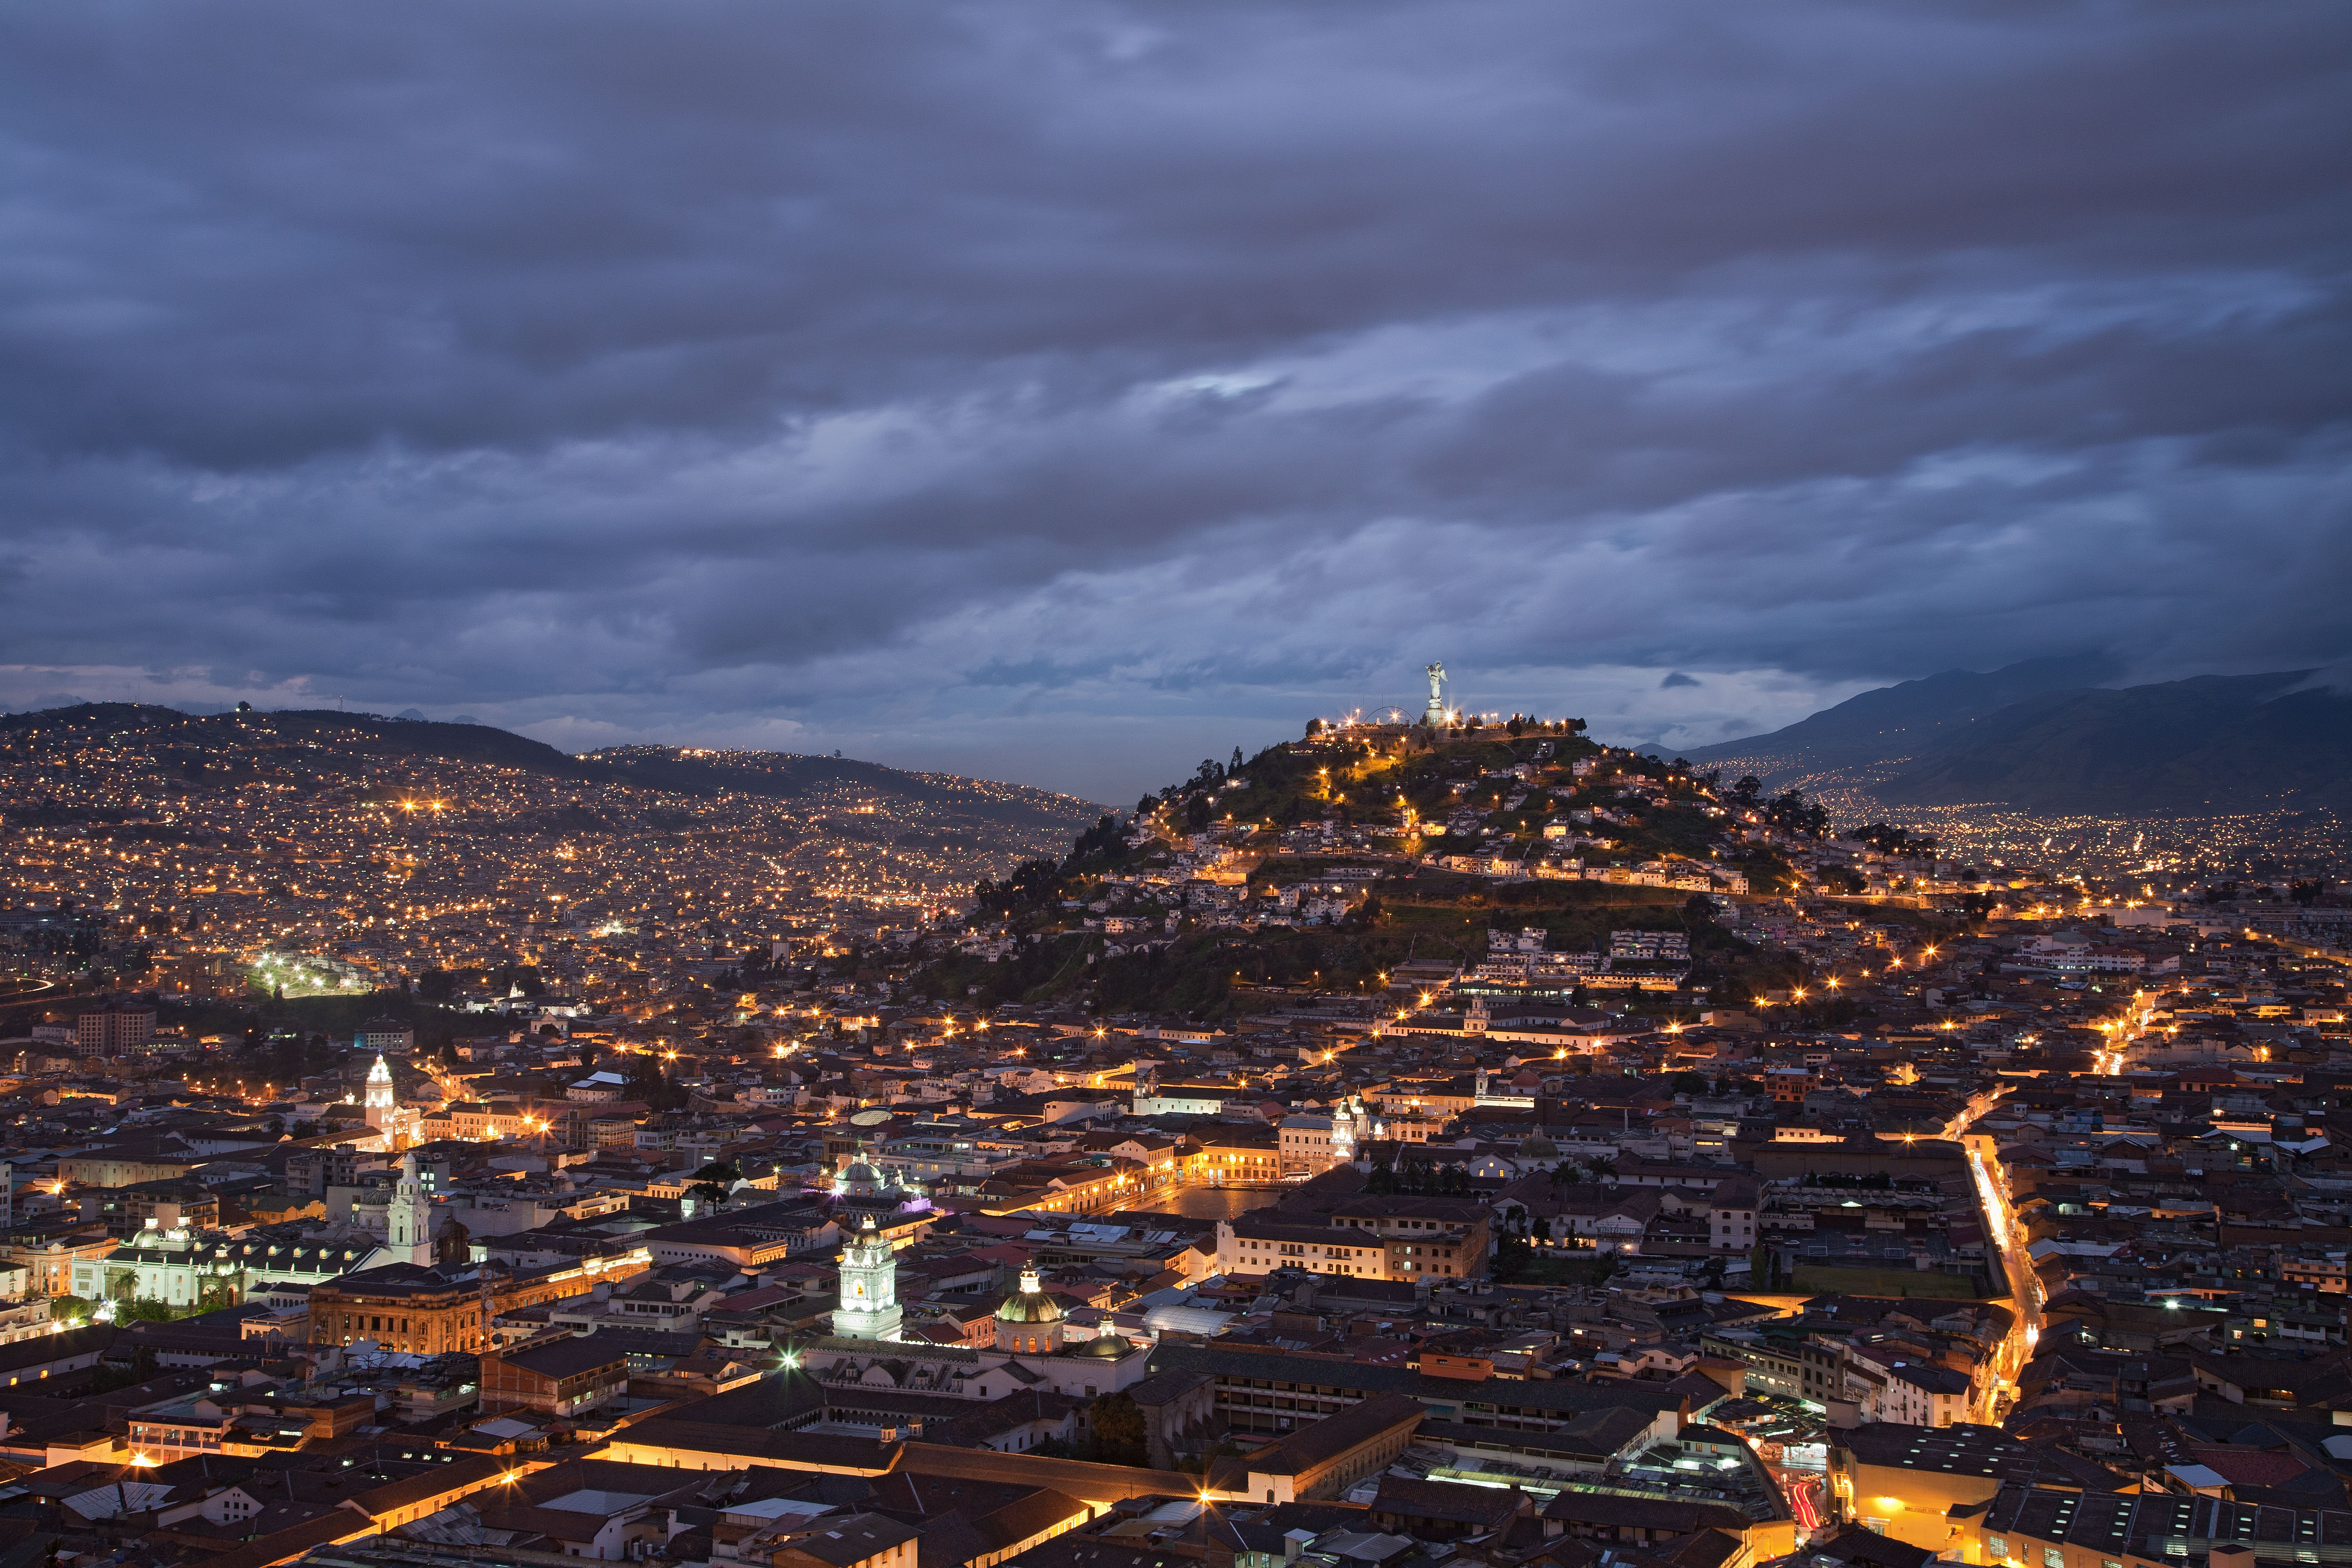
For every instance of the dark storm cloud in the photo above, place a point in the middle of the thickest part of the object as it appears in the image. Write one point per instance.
(958, 380)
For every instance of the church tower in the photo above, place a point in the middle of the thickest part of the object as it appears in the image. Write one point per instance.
(408, 1219)
(381, 1100)
(869, 1287)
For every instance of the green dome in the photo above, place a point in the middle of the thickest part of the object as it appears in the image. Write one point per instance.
(1110, 1347)
(1029, 1304)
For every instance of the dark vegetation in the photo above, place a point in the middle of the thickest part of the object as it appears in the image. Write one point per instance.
(1416, 911)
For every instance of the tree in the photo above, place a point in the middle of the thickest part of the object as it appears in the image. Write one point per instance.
(1790, 811)
(1314, 728)
(645, 1075)
(1032, 882)
(1103, 840)
(71, 1310)
(1517, 726)
(1748, 791)
(144, 1310)
(711, 1184)
(1118, 1426)
(1890, 840)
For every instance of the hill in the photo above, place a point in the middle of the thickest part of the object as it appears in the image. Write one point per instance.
(2029, 738)
(1901, 720)
(2210, 745)
(311, 749)
(788, 775)
(352, 735)
(1312, 874)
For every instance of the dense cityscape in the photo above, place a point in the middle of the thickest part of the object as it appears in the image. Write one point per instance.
(731, 835)
(414, 1157)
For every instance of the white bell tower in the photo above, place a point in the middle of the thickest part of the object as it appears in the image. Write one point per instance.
(869, 1287)
(408, 1219)
(380, 1097)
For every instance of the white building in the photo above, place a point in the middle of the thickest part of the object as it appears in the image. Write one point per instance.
(397, 1123)
(1032, 1349)
(869, 1306)
(1307, 1145)
(184, 1268)
(407, 1222)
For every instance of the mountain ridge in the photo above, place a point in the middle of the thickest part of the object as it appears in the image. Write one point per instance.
(675, 770)
(1896, 720)
(2210, 743)
(2022, 738)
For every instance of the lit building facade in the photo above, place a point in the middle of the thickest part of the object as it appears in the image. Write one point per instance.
(869, 1306)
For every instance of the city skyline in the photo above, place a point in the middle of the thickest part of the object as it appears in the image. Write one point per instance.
(859, 784)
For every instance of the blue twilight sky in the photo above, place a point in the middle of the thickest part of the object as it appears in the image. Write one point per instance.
(1066, 392)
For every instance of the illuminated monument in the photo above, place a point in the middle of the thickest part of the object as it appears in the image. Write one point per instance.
(869, 1306)
(1434, 714)
(396, 1123)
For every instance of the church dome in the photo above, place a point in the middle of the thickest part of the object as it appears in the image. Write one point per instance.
(861, 1174)
(1110, 1347)
(1029, 1304)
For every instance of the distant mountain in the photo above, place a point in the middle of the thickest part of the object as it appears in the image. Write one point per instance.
(362, 735)
(1899, 721)
(367, 744)
(2032, 736)
(2212, 744)
(789, 775)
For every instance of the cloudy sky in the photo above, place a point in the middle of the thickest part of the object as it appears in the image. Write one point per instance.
(1062, 391)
